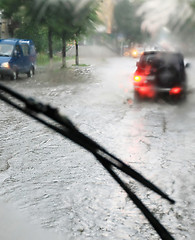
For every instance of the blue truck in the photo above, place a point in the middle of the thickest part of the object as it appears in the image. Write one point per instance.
(17, 56)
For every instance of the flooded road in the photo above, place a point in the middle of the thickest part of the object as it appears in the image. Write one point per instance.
(63, 189)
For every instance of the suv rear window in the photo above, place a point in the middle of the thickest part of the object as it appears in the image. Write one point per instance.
(161, 59)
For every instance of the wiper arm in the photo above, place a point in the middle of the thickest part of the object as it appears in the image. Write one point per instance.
(66, 128)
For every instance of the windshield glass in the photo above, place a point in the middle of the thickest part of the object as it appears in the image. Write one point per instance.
(6, 49)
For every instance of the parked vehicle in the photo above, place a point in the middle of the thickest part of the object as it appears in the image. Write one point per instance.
(17, 56)
(160, 72)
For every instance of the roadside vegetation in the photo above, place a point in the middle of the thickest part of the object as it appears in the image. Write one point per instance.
(42, 59)
(53, 25)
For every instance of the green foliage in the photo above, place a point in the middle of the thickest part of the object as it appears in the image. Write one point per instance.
(61, 16)
(127, 24)
(80, 65)
(10, 7)
(43, 59)
(57, 20)
(33, 31)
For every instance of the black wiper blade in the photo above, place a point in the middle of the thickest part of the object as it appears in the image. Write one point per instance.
(67, 129)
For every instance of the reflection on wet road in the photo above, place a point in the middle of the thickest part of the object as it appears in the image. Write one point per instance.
(62, 188)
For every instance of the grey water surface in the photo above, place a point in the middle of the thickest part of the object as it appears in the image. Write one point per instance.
(60, 189)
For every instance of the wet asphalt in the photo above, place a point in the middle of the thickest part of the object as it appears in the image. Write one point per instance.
(63, 189)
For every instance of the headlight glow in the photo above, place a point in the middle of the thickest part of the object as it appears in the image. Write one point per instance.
(5, 65)
(134, 53)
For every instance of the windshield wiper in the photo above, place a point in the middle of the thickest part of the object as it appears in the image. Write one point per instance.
(66, 128)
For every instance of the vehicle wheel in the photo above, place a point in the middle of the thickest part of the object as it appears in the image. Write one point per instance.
(14, 75)
(2, 77)
(31, 72)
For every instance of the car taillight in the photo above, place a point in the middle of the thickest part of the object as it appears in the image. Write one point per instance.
(175, 90)
(146, 91)
(137, 78)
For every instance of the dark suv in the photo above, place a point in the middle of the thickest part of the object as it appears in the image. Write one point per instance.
(160, 72)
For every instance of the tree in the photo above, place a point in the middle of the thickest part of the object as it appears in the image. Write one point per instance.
(64, 18)
(20, 24)
(67, 19)
(126, 23)
(87, 19)
(12, 10)
(177, 17)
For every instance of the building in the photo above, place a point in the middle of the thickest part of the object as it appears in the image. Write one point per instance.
(106, 14)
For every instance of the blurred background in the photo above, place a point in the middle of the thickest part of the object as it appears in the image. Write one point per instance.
(93, 46)
(119, 24)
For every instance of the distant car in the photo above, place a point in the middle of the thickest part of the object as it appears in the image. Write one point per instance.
(136, 52)
(160, 72)
(17, 56)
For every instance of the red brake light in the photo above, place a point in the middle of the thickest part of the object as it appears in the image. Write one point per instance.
(137, 78)
(146, 91)
(175, 90)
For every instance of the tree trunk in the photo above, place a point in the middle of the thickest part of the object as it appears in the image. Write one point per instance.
(63, 51)
(11, 29)
(77, 53)
(50, 46)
